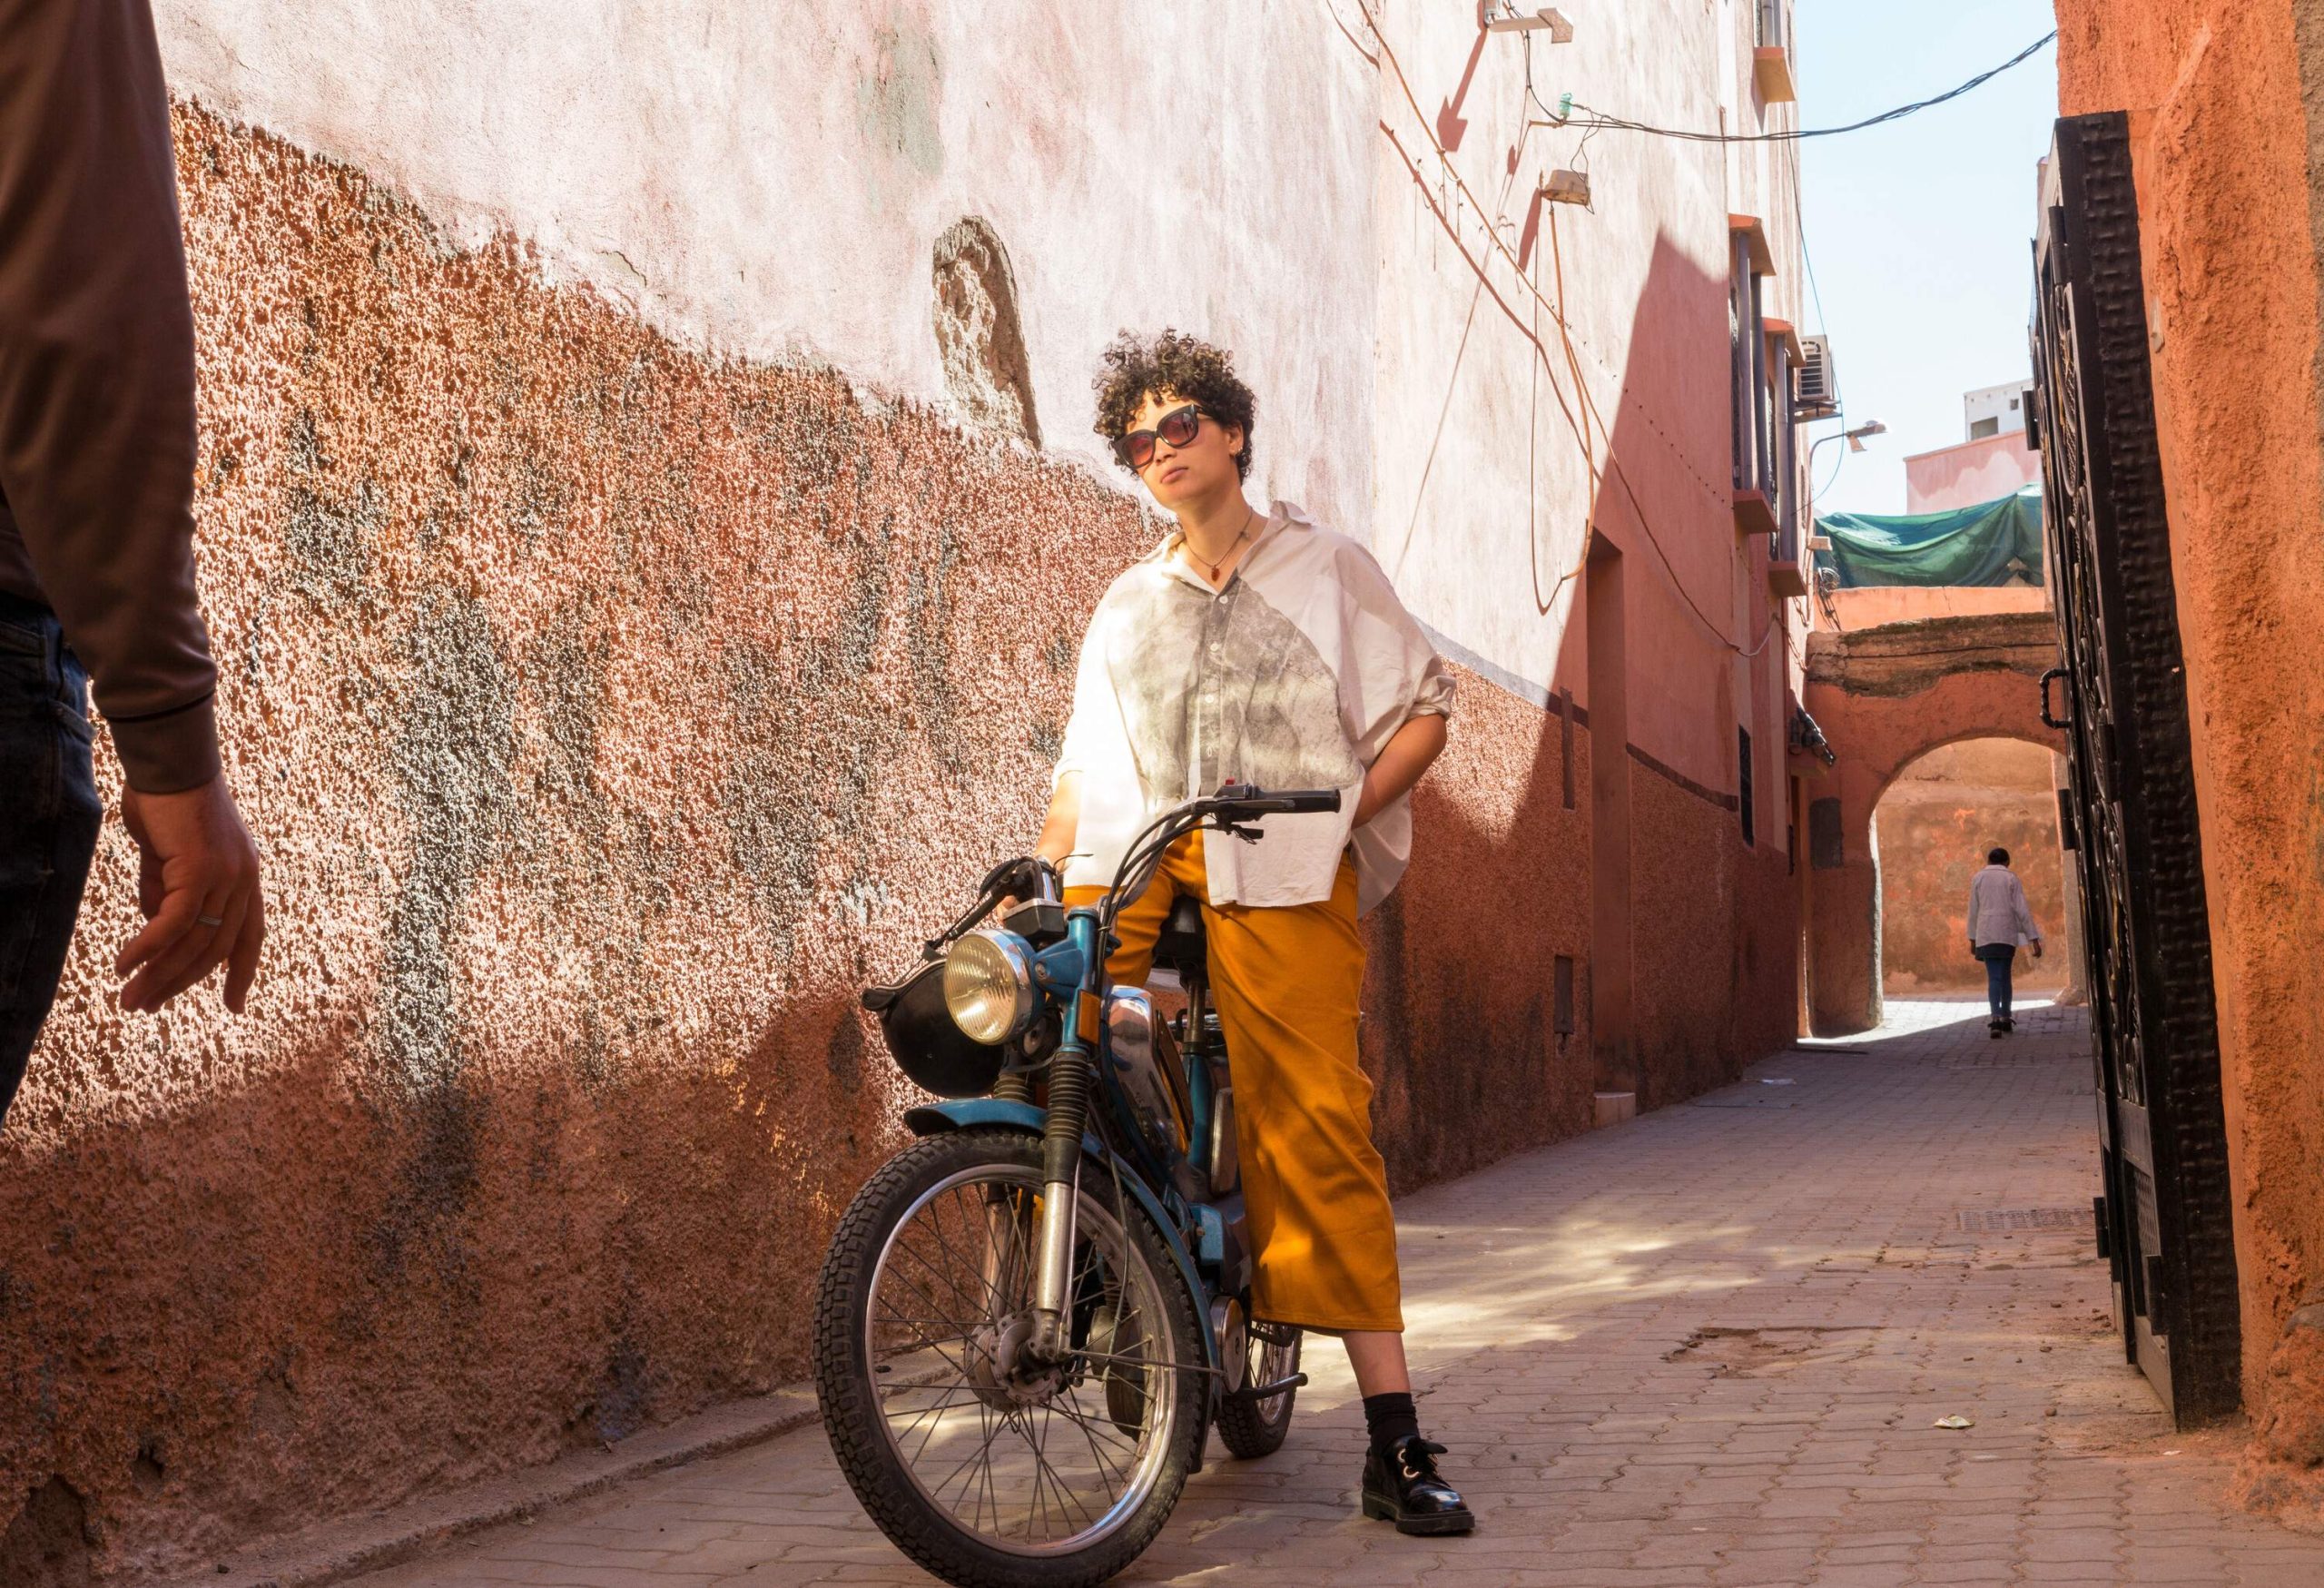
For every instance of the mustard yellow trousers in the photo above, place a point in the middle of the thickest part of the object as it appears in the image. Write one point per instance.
(1286, 981)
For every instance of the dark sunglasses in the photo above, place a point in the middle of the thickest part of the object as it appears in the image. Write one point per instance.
(1178, 426)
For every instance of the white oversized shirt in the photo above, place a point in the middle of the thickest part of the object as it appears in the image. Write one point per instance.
(1997, 908)
(1294, 676)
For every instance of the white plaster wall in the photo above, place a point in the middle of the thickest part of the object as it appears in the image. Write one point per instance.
(770, 180)
(1485, 490)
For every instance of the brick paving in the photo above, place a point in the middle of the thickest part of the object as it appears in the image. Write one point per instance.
(1704, 1347)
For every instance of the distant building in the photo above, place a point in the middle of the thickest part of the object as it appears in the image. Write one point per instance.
(1993, 410)
(1991, 463)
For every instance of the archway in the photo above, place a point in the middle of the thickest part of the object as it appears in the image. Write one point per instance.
(1885, 697)
(1931, 829)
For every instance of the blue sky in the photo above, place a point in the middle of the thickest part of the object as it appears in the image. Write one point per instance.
(1919, 231)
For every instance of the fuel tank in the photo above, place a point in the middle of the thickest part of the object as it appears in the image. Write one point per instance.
(1146, 1060)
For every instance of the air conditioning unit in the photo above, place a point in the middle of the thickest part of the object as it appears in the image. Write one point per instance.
(1815, 392)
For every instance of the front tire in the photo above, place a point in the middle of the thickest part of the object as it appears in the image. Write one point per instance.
(987, 1469)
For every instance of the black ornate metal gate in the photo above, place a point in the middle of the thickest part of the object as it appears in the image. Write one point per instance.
(2164, 1218)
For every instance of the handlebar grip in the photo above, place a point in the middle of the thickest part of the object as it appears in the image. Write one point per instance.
(1243, 799)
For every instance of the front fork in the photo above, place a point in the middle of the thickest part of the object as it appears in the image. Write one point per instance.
(1070, 1069)
(1069, 1112)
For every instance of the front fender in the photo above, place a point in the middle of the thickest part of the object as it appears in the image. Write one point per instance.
(998, 1114)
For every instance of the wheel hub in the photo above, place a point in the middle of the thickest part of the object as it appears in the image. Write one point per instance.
(1226, 1327)
(1001, 1368)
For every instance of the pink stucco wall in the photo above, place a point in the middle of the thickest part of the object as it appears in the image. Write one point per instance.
(1869, 606)
(2226, 107)
(1935, 824)
(1971, 472)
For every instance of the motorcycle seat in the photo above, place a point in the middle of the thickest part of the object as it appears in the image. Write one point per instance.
(1181, 946)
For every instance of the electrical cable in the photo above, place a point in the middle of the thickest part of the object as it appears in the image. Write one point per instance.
(1823, 326)
(1602, 118)
(1592, 418)
(1598, 476)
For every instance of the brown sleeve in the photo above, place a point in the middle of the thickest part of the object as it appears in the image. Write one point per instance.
(96, 370)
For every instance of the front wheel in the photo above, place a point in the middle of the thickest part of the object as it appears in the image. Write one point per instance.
(987, 1467)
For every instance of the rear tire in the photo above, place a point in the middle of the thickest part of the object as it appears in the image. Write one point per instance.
(943, 1365)
(1250, 1429)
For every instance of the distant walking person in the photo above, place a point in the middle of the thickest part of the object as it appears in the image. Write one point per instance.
(96, 526)
(1998, 922)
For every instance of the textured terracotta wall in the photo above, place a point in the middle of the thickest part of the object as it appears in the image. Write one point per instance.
(1458, 1006)
(1935, 824)
(2225, 98)
(1714, 934)
(608, 714)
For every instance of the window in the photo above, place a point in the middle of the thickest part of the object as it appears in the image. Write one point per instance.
(1743, 782)
(1754, 426)
(1782, 411)
(1980, 428)
(1762, 370)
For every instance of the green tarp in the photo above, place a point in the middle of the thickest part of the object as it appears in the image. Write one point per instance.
(1968, 545)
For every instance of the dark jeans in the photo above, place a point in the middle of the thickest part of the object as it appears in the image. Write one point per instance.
(49, 817)
(1997, 957)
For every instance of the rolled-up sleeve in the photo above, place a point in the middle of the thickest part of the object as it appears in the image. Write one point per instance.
(1393, 674)
(97, 374)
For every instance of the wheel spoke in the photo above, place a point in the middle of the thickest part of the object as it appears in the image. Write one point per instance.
(976, 1430)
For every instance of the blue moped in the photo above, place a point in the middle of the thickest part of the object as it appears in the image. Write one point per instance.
(1030, 1318)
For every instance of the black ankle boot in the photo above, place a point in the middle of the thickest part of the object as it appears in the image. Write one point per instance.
(1401, 1484)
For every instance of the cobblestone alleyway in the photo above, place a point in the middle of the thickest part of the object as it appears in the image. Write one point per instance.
(1706, 1347)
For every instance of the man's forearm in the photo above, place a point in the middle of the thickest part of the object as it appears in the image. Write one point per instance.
(1408, 755)
(97, 374)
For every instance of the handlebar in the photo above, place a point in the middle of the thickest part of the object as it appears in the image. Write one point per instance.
(1241, 799)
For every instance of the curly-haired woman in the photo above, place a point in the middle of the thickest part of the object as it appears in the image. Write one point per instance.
(1262, 647)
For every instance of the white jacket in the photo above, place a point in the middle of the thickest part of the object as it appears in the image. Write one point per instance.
(1294, 676)
(1997, 911)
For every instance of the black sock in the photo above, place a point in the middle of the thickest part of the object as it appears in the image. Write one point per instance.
(1390, 1419)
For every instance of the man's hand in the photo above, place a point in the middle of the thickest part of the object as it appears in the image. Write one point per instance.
(2037, 948)
(197, 885)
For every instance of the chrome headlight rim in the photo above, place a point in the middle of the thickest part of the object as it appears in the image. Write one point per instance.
(1015, 957)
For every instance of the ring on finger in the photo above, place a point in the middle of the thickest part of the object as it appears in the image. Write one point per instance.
(210, 920)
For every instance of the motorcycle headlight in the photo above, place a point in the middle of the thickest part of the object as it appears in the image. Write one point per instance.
(988, 986)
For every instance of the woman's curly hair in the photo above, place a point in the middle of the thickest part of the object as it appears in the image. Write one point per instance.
(1135, 367)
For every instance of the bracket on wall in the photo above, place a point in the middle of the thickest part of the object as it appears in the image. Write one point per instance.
(1502, 16)
(1566, 187)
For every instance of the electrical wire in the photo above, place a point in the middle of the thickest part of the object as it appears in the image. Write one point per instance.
(1823, 327)
(1791, 135)
(1591, 417)
(1581, 426)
